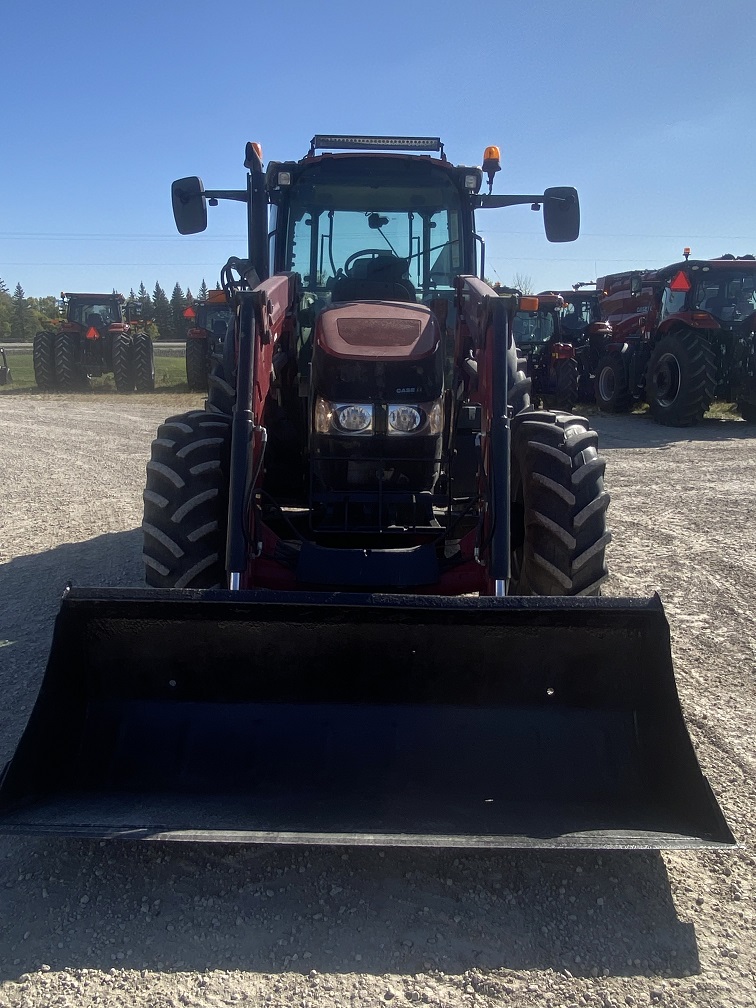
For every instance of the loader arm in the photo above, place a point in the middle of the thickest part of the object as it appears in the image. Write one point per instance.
(483, 334)
(265, 318)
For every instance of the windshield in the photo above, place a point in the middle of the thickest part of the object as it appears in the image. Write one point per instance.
(375, 228)
(728, 296)
(96, 313)
(579, 311)
(214, 318)
(533, 327)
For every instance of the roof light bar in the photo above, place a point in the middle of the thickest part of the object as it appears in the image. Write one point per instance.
(322, 141)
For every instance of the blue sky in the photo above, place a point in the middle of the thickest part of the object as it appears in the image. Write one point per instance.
(648, 109)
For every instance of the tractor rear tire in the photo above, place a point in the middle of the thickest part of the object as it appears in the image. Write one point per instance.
(144, 363)
(559, 535)
(69, 374)
(43, 358)
(123, 363)
(681, 379)
(566, 381)
(612, 393)
(186, 502)
(196, 364)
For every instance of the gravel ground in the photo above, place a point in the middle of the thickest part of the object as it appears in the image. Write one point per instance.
(162, 925)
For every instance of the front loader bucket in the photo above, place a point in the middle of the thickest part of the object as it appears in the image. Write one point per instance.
(388, 720)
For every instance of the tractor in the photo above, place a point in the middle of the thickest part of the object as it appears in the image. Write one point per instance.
(5, 372)
(100, 334)
(549, 360)
(373, 611)
(682, 336)
(209, 320)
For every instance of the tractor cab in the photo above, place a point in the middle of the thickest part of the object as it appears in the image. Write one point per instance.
(98, 311)
(539, 327)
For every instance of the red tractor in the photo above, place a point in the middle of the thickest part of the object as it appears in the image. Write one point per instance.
(550, 361)
(373, 569)
(101, 333)
(682, 335)
(209, 320)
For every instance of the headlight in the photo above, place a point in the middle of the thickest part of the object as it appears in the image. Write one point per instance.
(425, 418)
(404, 419)
(353, 419)
(344, 418)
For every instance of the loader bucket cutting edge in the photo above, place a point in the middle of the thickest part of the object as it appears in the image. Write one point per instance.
(360, 719)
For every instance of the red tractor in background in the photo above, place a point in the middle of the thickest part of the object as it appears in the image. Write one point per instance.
(550, 363)
(101, 333)
(561, 341)
(581, 325)
(682, 336)
(209, 319)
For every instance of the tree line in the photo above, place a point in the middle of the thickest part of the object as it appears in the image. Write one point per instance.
(22, 317)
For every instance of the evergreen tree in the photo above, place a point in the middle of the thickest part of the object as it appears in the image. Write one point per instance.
(178, 303)
(6, 312)
(132, 295)
(202, 296)
(145, 301)
(22, 323)
(162, 314)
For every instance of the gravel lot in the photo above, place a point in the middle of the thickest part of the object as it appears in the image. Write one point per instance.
(161, 925)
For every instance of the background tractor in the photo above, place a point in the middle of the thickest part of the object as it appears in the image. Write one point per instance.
(549, 361)
(5, 372)
(100, 334)
(209, 320)
(682, 335)
(373, 612)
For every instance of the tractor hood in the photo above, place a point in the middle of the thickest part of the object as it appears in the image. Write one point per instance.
(378, 330)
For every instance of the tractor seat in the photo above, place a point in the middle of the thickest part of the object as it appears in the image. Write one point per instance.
(378, 279)
(355, 289)
(96, 320)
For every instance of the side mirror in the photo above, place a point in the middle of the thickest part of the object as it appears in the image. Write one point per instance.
(189, 205)
(561, 213)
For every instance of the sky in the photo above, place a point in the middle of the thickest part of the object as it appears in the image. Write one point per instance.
(648, 109)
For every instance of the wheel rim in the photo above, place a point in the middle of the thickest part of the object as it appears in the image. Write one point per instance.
(667, 379)
(607, 384)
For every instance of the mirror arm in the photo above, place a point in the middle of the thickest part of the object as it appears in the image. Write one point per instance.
(483, 201)
(230, 194)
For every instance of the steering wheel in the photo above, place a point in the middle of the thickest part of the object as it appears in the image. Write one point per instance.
(372, 253)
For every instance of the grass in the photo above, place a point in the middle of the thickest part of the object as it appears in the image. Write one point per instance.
(170, 375)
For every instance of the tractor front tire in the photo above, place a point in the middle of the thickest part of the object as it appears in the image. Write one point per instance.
(566, 382)
(43, 358)
(123, 363)
(681, 379)
(612, 393)
(558, 531)
(196, 364)
(144, 363)
(519, 384)
(221, 390)
(186, 502)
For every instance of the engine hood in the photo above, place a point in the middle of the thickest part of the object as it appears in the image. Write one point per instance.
(379, 330)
